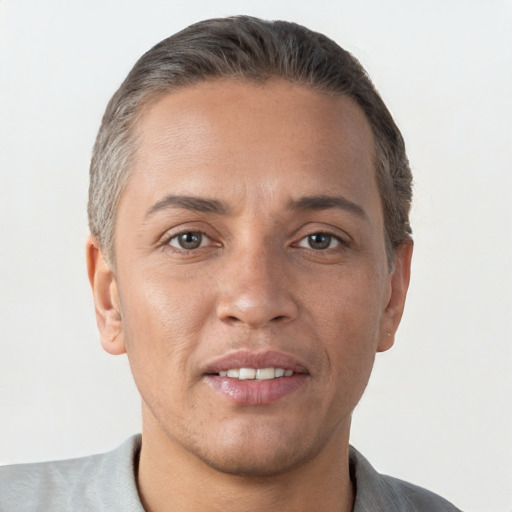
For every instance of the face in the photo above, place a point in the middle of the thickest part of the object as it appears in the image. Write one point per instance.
(251, 289)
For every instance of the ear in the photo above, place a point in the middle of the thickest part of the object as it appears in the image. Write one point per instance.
(397, 291)
(106, 299)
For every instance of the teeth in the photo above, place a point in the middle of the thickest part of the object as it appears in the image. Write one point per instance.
(247, 374)
(265, 373)
(256, 374)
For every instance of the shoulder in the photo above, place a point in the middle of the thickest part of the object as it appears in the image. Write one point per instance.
(384, 493)
(43, 486)
(88, 483)
(417, 497)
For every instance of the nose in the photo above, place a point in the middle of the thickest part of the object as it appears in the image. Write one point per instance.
(256, 291)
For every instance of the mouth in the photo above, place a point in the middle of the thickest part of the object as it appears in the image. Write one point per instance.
(260, 378)
(255, 373)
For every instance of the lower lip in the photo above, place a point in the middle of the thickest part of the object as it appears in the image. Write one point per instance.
(256, 392)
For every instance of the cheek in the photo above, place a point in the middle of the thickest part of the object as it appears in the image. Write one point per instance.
(161, 322)
(348, 316)
(350, 305)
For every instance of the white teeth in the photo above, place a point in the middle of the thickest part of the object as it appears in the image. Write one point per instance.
(256, 374)
(265, 373)
(247, 374)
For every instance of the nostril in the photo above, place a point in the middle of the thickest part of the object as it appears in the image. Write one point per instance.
(233, 319)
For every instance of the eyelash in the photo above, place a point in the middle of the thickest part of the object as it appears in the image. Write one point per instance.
(330, 236)
(175, 237)
(205, 240)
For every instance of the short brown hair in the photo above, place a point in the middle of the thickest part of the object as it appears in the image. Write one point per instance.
(250, 49)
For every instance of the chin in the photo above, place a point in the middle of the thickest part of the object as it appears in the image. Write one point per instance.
(245, 464)
(259, 454)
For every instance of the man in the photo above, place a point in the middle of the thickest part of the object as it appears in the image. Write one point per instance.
(250, 251)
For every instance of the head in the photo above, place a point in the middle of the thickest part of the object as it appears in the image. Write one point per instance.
(252, 50)
(249, 204)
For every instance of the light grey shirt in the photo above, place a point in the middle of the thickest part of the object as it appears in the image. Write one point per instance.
(107, 483)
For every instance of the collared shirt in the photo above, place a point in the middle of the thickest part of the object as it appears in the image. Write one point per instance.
(107, 483)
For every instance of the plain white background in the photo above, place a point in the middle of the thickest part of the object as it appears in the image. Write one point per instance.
(438, 408)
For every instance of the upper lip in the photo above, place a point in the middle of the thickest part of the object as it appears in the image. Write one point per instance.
(252, 359)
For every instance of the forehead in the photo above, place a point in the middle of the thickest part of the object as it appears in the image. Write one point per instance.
(231, 138)
(222, 104)
(226, 113)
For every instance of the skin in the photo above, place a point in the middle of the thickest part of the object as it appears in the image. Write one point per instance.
(254, 283)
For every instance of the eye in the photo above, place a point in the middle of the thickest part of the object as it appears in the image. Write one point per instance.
(319, 241)
(189, 240)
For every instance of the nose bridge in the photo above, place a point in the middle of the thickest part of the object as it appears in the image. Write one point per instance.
(256, 290)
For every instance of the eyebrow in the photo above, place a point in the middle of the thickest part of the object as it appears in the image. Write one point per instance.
(199, 204)
(325, 202)
(192, 203)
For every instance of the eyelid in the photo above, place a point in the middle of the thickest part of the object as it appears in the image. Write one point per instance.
(333, 237)
(314, 228)
(205, 240)
(172, 233)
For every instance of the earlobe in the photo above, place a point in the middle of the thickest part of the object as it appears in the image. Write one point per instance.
(398, 286)
(106, 299)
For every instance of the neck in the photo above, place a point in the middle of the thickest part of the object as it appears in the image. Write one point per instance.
(171, 478)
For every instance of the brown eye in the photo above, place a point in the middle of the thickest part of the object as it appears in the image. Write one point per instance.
(189, 240)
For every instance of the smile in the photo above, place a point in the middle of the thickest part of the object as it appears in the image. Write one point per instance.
(256, 373)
